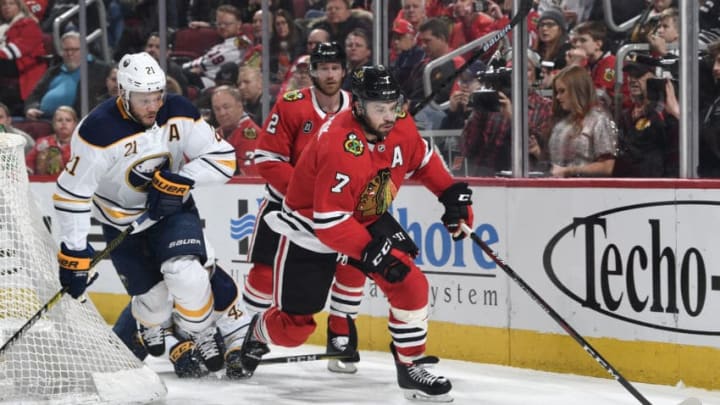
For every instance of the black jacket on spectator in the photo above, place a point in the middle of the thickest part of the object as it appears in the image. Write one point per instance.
(709, 159)
(338, 32)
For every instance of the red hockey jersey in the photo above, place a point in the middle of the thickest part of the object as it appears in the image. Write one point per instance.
(342, 183)
(244, 139)
(290, 125)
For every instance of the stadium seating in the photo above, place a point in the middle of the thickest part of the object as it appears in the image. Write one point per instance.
(191, 43)
(34, 128)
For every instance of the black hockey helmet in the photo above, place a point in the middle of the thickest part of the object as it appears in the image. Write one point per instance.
(327, 52)
(374, 83)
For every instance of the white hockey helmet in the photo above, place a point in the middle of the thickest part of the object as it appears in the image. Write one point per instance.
(139, 72)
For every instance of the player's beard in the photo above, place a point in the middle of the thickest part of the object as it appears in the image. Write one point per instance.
(327, 89)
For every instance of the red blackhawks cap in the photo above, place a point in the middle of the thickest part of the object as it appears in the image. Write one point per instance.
(402, 26)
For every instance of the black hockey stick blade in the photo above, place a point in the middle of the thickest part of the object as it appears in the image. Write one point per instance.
(349, 354)
(556, 317)
(58, 295)
(522, 12)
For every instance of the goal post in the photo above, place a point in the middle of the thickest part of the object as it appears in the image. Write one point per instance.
(70, 355)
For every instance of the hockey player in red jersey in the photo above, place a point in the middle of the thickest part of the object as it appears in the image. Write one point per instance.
(336, 209)
(288, 128)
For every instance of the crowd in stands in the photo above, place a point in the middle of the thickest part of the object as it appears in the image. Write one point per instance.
(581, 121)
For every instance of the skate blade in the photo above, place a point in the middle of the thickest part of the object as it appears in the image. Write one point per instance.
(337, 366)
(691, 401)
(417, 395)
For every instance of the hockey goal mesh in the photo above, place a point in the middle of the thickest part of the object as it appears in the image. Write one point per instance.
(70, 355)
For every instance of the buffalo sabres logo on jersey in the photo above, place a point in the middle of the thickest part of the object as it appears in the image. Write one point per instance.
(293, 95)
(140, 174)
(353, 145)
(307, 126)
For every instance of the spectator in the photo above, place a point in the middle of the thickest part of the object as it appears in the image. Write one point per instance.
(552, 41)
(227, 76)
(486, 137)
(665, 34)
(658, 6)
(470, 23)
(709, 162)
(60, 85)
(583, 139)
(236, 126)
(286, 44)
(172, 69)
(408, 54)
(458, 107)
(358, 53)
(6, 127)
(340, 20)
(434, 42)
(414, 11)
(299, 77)
(588, 50)
(315, 37)
(647, 145)
(251, 90)
(52, 152)
(111, 86)
(21, 47)
(202, 70)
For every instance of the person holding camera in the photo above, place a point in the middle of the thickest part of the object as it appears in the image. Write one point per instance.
(486, 136)
(583, 140)
(647, 145)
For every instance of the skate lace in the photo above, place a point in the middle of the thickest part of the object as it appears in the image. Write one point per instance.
(206, 344)
(153, 336)
(419, 374)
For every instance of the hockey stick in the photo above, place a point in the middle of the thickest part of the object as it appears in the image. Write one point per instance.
(58, 295)
(350, 352)
(522, 13)
(554, 315)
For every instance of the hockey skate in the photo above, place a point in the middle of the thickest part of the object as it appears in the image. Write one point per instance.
(419, 384)
(153, 338)
(342, 344)
(211, 348)
(186, 360)
(252, 350)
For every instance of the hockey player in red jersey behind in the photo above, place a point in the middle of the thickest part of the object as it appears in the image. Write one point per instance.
(335, 209)
(288, 129)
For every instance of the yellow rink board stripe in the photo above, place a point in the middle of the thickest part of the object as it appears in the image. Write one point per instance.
(641, 361)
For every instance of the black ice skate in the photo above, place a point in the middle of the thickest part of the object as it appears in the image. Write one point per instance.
(153, 339)
(186, 360)
(418, 383)
(211, 348)
(252, 350)
(339, 344)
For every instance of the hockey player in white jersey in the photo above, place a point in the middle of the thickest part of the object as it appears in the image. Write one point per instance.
(144, 151)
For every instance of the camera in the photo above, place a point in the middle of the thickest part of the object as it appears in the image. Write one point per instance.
(480, 6)
(655, 88)
(493, 81)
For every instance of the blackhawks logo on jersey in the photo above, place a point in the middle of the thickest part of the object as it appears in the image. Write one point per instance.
(353, 145)
(293, 95)
(250, 133)
(609, 75)
(378, 194)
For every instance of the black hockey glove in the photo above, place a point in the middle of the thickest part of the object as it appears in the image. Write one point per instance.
(380, 257)
(74, 269)
(167, 194)
(458, 207)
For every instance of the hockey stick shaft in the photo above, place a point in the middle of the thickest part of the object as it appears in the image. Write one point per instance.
(58, 295)
(521, 14)
(299, 358)
(350, 352)
(555, 316)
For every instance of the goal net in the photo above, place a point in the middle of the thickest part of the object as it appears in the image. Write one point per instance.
(70, 355)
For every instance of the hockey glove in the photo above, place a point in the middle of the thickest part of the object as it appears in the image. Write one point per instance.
(74, 269)
(458, 206)
(380, 257)
(167, 194)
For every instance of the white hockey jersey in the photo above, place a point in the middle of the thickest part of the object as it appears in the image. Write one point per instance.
(230, 50)
(114, 157)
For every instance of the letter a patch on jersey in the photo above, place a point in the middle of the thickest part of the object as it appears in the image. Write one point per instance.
(353, 144)
(378, 194)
